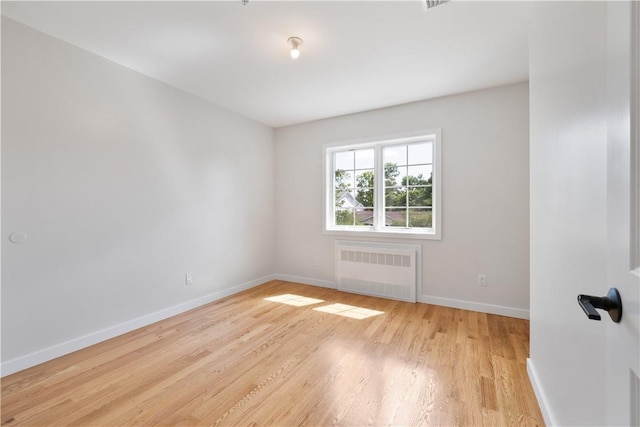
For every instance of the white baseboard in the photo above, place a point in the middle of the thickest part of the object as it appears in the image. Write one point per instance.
(50, 353)
(306, 281)
(540, 395)
(518, 313)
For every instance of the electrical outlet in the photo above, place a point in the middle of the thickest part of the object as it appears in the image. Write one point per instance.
(188, 279)
(316, 262)
(482, 279)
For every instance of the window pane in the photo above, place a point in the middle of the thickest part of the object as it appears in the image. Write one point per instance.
(346, 199)
(364, 197)
(393, 175)
(419, 175)
(420, 218)
(420, 196)
(395, 217)
(395, 154)
(344, 216)
(364, 159)
(343, 180)
(364, 178)
(364, 217)
(344, 160)
(420, 153)
(395, 196)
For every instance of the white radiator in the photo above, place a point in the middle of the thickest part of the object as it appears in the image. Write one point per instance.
(379, 269)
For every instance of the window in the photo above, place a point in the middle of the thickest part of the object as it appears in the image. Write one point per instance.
(390, 187)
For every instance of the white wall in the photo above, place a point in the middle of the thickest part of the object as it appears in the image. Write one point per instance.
(568, 208)
(485, 196)
(123, 184)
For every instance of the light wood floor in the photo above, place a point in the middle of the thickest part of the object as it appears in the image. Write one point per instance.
(245, 360)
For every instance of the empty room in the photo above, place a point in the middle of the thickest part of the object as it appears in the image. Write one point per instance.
(254, 212)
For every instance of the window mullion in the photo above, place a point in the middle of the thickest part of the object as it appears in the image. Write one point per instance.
(378, 201)
(406, 200)
(352, 190)
(333, 189)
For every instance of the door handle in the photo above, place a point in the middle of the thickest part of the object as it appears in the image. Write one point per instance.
(610, 303)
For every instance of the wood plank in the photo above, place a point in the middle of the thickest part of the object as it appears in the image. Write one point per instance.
(244, 360)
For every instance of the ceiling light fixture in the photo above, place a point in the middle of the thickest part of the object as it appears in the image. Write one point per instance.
(295, 42)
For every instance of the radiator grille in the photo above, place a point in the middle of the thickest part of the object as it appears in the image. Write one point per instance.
(376, 258)
(377, 269)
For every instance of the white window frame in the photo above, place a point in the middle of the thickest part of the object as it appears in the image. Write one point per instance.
(379, 229)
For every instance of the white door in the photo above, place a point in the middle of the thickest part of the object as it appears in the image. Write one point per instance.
(623, 216)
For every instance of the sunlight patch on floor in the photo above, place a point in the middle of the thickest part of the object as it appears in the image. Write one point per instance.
(349, 311)
(295, 300)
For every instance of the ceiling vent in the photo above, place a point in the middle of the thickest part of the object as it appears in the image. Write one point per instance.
(433, 3)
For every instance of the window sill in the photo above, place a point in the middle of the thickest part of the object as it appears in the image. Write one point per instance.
(391, 234)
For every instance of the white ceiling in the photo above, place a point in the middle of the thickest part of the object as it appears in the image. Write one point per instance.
(356, 56)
